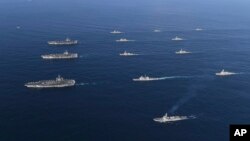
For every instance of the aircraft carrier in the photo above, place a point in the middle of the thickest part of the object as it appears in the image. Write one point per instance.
(59, 82)
(65, 55)
(67, 41)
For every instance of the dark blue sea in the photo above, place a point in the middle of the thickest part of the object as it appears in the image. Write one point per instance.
(105, 104)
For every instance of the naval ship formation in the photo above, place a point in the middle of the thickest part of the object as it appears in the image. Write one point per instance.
(60, 82)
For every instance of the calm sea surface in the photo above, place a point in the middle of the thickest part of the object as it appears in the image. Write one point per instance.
(106, 105)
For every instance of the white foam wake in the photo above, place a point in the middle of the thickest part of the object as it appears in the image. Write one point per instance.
(192, 117)
(162, 78)
(173, 77)
(170, 77)
(82, 84)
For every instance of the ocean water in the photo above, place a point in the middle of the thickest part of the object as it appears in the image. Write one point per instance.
(106, 104)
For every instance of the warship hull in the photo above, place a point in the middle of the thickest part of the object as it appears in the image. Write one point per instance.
(59, 56)
(50, 84)
(66, 42)
(62, 43)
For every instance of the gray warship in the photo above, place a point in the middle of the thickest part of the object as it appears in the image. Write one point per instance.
(59, 82)
(67, 41)
(65, 55)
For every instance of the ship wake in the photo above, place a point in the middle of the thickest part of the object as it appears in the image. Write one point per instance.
(193, 91)
(168, 77)
(84, 84)
(174, 77)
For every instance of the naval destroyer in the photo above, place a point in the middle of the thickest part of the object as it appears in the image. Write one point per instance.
(182, 52)
(166, 118)
(116, 32)
(124, 40)
(67, 41)
(177, 39)
(147, 78)
(59, 82)
(65, 55)
(198, 29)
(157, 30)
(225, 73)
(125, 53)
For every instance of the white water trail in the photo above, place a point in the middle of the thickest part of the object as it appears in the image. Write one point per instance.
(82, 84)
(192, 92)
(174, 77)
(168, 77)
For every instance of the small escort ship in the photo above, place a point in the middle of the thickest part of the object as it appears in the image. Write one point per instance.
(224, 73)
(124, 40)
(199, 29)
(157, 30)
(166, 118)
(146, 78)
(67, 41)
(65, 55)
(125, 53)
(177, 39)
(59, 82)
(182, 52)
(116, 32)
